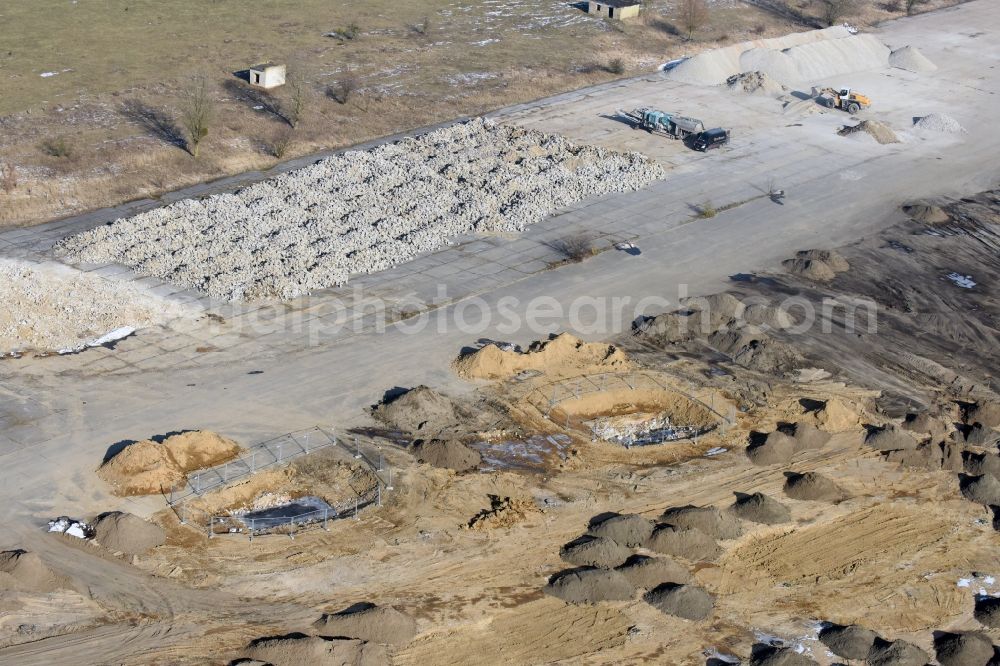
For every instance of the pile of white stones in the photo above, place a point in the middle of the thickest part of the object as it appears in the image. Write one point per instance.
(362, 211)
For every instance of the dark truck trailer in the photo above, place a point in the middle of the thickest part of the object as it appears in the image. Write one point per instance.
(713, 138)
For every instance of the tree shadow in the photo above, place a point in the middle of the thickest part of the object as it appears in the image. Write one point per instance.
(158, 124)
(257, 100)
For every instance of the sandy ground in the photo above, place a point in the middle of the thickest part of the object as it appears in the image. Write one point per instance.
(890, 556)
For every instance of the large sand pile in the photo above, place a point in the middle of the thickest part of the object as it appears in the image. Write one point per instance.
(417, 410)
(299, 650)
(51, 307)
(849, 642)
(833, 415)
(814, 487)
(447, 453)
(125, 533)
(687, 601)
(896, 653)
(873, 128)
(629, 530)
(708, 519)
(759, 508)
(691, 544)
(562, 354)
(965, 649)
(149, 467)
(362, 211)
(589, 586)
(818, 265)
(26, 572)
(590, 551)
(374, 624)
(649, 572)
(910, 58)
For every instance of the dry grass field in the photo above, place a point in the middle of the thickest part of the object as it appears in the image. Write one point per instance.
(94, 92)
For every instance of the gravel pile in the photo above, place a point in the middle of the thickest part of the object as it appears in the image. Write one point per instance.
(126, 533)
(896, 653)
(911, 59)
(362, 211)
(595, 552)
(687, 601)
(708, 519)
(967, 649)
(589, 586)
(759, 508)
(939, 122)
(849, 642)
(628, 529)
(813, 487)
(649, 572)
(691, 544)
(984, 489)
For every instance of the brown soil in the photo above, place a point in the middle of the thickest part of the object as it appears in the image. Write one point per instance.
(420, 409)
(927, 213)
(374, 624)
(835, 415)
(874, 128)
(628, 530)
(589, 586)
(563, 355)
(24, 571)
(648, 572)
(448, 453)
(708, 519)
(691, 544)
(590, 551)
(849, 642)
(299, 650)
(504, 512)
(812, 486)
(149, 467)
(687, 601)
(817, 265)
(759, 508)
(125, 533)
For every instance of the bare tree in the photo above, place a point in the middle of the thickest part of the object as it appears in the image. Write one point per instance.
(197, 115)
(341, 91)
(694, 15)
(8, 178)
(835, 10)
(297, 100)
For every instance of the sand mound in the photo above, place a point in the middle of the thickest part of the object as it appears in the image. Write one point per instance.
(984, 489)
(978, 464)
(27, 572)
(988, 611)
(648, 572)
(833, 415)
(299, 650)
(374, 624)
(924, 424)
(966, 649)
(504, 512)
(560, 355)
(447, 453)
(978, 435)
(931, 456)
(754, 82)
(812, 486)
(874, 128)
(849, 642)
(149, 467)
(780, 656)
(708, 519)
(896, 653)
(588, 551)
(817, 265)
(419, 409)
(807, 436)
(939, 122)
(986, 413)
(890, 439)
(759, 508)
(589, 586)
(927, 214)
(628, 530)
(776, 448)
(911, 59)
(124, 533)
(687, 601)
(52, 307)
(691, 544)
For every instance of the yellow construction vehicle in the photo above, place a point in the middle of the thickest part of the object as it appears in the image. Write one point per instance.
(844, 99)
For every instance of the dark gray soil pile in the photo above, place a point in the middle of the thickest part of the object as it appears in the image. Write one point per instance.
(806, 436)
(988, 611)
(708, 519)
(759, 508)
(981, 463)
(966, 649)
(125, 533)
(776, 448)
(757, 351)
(984, 489)
(849, 642)
(817, 265)
(26, 572)
(813, 486)
(690, 544)
(687, 601)
(978, 435)
(889, 438)
(628, 530)
(375, 624)
(926, 213)
(419, 410)
(589, 551)
(931, 456)
(648, 572)
(447, 453)
(589, 586)
(925, 425)
(985, 412)
(896, 653)
(779, 656)
(299, 650)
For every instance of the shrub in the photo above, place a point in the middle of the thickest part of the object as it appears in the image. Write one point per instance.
(616, 66)
(8, 178)
(57, 147)
(341, 90)
(574, 248)
(759, 29)
(278, 146)
(707, 211)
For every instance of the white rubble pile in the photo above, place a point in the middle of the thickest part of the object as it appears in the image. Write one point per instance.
(362, 211)
(630, 432)
(939, 122)
(50, 307)
(74, 528)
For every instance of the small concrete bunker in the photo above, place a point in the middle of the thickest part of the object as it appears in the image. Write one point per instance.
(267, 76)
(614, 9)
